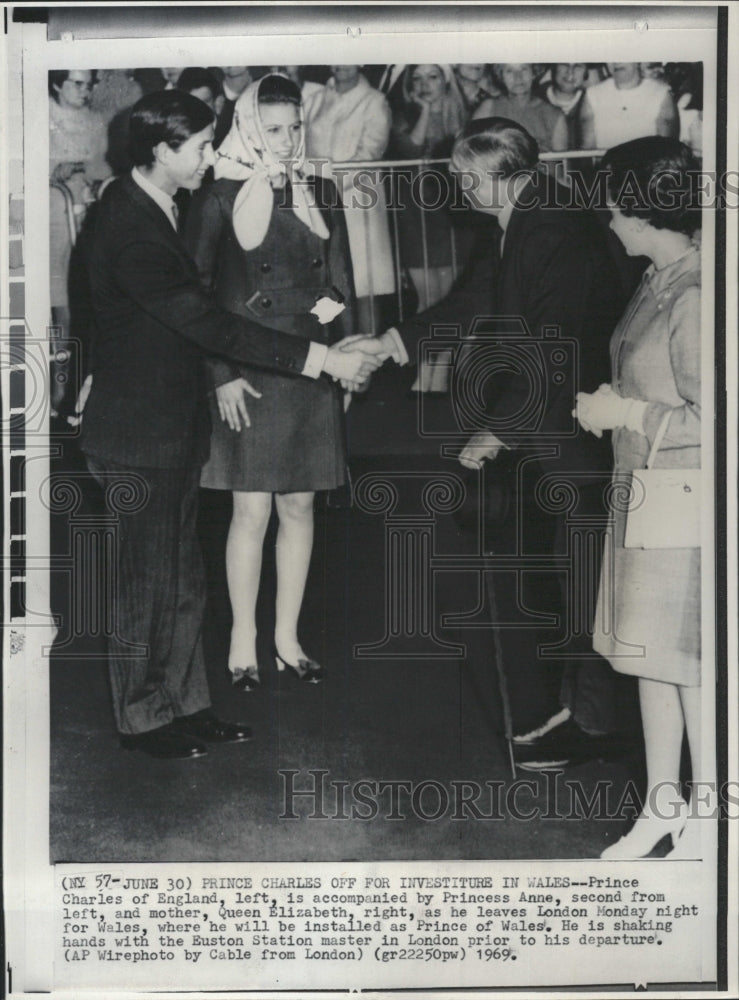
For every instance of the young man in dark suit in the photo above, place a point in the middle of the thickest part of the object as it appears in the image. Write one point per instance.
(543, 260)
(146, 430)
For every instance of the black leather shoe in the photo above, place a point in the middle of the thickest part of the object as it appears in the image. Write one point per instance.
(164, 742)
(305, 669)
(567, 745)
(206, 726)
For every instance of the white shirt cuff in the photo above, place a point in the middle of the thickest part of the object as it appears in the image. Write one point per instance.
(315, 360)
(398, 353)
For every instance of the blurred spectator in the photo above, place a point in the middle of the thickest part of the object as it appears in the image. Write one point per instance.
(565, 92)
(171, 75)
(349, 120)
(627, 106)
(652, 70)
(476, 84)
(76, 133)
(201, 83)
(686, 83)
(235, 80)
(115, 90)
(77, 146)
(424, 126)
(521, 105)
(149, 79)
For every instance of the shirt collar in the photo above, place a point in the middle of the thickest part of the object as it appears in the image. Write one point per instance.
(162, 199)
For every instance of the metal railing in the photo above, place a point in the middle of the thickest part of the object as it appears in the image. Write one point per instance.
(69, 211)
(385, 172)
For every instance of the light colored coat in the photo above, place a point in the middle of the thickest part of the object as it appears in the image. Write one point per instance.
(648, 617)
(356, 126)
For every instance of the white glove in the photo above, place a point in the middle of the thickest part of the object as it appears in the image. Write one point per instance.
(605, 410)
(480, 446)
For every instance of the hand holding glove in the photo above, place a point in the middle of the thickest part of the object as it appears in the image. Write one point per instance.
(605, 410)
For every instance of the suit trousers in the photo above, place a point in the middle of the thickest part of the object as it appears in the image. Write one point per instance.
(155, 654)
(542, 600)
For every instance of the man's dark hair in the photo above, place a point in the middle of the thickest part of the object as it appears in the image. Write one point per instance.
(169, 116)
(195, 77)
(504, 147)
(654, 178)
(275, 89)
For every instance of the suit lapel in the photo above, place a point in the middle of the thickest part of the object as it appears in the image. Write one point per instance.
(153, 211)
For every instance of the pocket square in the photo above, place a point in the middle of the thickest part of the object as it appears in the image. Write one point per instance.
(327, 309)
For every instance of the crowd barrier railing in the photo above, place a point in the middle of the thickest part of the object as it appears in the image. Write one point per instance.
(384, 174)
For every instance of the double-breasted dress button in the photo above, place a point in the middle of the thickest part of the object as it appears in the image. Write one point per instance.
(266, 301)
(317, 262)
(266, 267)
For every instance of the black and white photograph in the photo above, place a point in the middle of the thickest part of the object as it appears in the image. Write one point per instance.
(370, 523)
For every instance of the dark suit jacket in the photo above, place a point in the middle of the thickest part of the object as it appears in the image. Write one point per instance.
(154, 324)
(555, 271)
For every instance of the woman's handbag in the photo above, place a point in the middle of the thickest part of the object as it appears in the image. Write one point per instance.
(664, 511)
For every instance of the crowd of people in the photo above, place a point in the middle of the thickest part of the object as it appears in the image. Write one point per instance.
(402, 261)
(252, 299)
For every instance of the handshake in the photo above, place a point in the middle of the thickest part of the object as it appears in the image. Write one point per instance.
(352, 360)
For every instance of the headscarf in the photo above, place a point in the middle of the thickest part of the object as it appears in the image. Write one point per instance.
(244, 156)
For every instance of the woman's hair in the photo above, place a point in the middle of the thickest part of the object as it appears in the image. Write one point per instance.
(686, 78)
(504, 147)
(274, 89)
(58, 76)
(169, 116)
(654, 179)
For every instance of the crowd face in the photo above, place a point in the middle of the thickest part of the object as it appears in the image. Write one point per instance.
(654, 70)
(517, 78)
(171, 74)
(428, 84)
(232, 72)
(282, 129)
(346, 76)
(472, 72)
(625, 74)
(185, 167)
(569, 77)
(76, 90)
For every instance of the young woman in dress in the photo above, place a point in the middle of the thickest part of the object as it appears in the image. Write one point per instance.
(271, 241)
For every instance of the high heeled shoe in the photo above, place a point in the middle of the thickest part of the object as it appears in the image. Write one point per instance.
(305, 669)
(645, 834)
(245, 678)
(688, 846)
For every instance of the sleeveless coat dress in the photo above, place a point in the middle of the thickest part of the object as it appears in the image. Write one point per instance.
(296, 439)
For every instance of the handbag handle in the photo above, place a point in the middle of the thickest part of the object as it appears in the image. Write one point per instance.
(658, 437)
